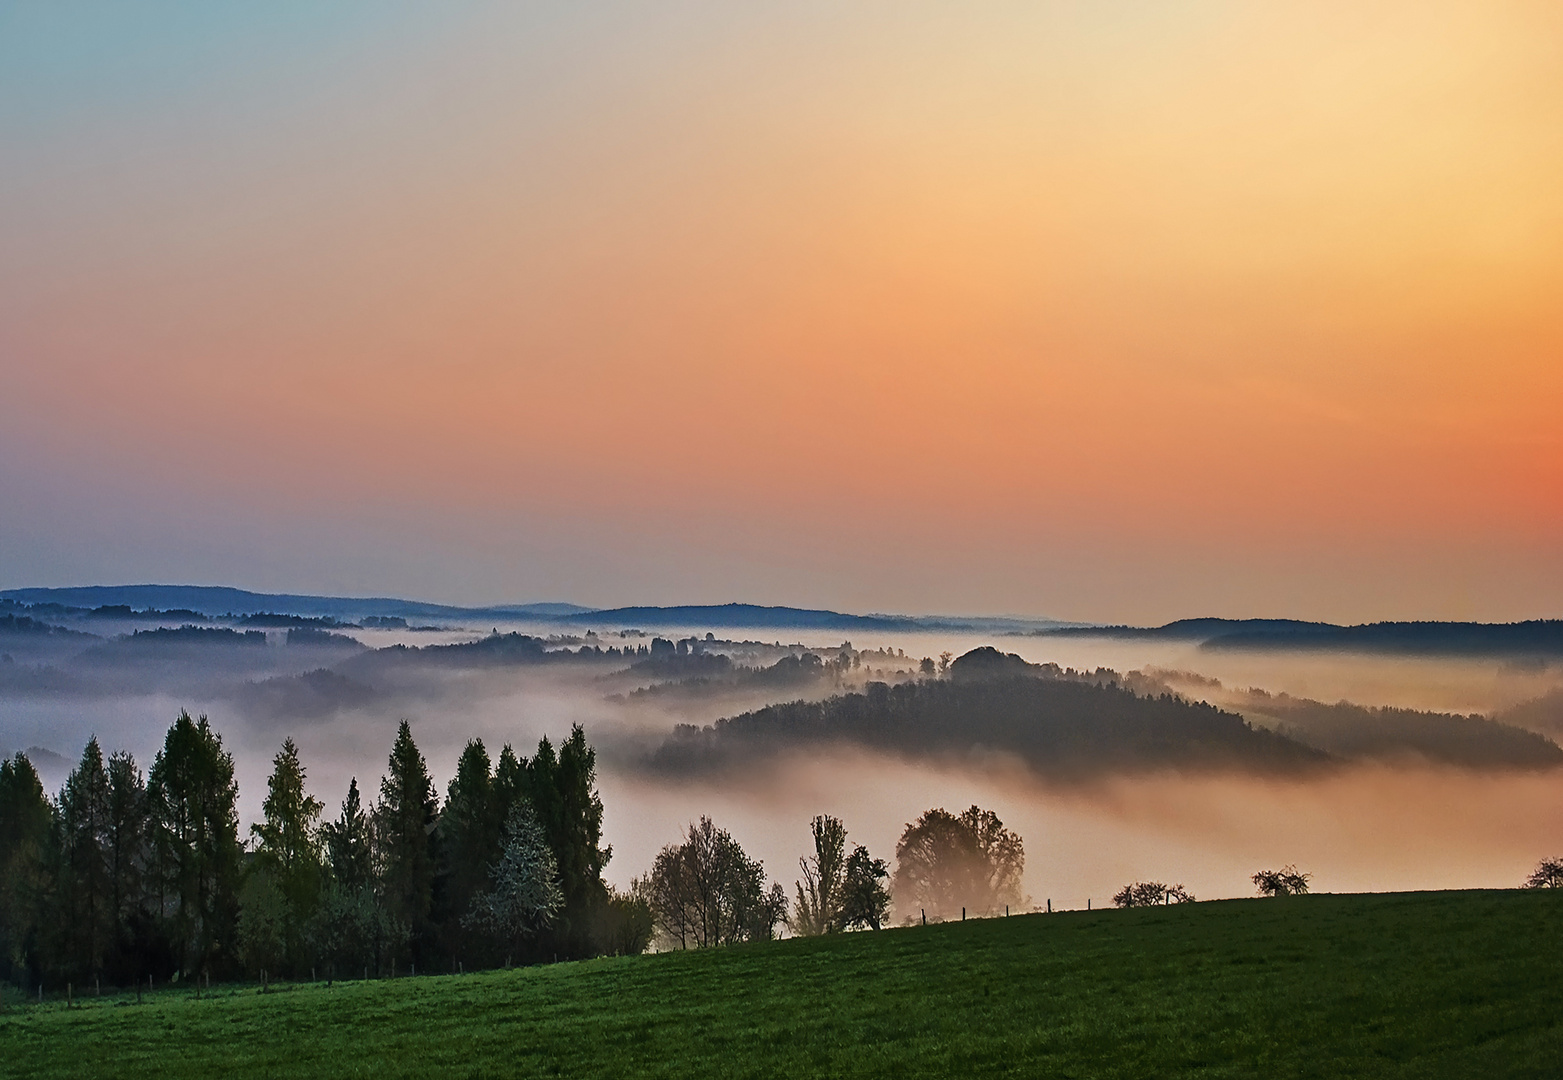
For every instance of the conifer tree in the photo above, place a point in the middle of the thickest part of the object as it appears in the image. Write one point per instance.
(404, 826)
(349, 845)
(27, 823)
(86, 886)
(287, 851)
(127, 858)
(197, 857)
(470, 833)
(562, 790)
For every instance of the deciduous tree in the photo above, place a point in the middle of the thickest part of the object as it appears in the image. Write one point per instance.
(945, 863)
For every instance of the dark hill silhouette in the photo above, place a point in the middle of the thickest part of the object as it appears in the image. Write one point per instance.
(1061, 727)
(1535, 638)
(28, 627)
(1356, 731)
(1539, 714)
(1538, 637)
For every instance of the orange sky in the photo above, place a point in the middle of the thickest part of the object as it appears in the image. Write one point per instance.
(1120, 311)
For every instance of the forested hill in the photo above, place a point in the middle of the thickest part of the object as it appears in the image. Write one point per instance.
(1060, 726)
(1535, 638)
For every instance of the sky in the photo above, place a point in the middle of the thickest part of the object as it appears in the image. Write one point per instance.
(1104, 311)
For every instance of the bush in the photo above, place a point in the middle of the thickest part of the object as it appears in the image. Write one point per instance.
(1283, 882)
(1150, 894)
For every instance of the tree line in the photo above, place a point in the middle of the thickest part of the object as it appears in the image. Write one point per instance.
(128, 875)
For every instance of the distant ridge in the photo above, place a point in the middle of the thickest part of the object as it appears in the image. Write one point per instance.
(218, 600)
(221, 600)
(1533, 638)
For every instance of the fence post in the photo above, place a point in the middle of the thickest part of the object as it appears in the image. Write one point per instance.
(1050, 905)
(925, 916)
(963, 914)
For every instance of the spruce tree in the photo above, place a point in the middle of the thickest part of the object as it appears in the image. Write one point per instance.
(349, 851)
(197, 857)
(404, 826)
(86, 885)
(287, 851)
(577, 840)
(27, 828)
(470, 837)
(127, 858)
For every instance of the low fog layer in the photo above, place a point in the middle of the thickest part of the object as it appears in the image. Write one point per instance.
(1437, 797)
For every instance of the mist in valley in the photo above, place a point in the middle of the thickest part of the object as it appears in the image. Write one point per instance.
(1400, 820)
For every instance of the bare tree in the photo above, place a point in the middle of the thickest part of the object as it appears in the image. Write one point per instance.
(1150, 894)
(1283, 882)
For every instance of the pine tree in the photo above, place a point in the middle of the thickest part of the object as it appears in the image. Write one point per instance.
(349, 843)
(404, 827)
(127, 857)
(27, 827)
(197, 857)
(470, 834)
(562, 790)
(287, 852)
(86, 885)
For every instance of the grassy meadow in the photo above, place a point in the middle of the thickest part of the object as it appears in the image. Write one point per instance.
(1422, 984)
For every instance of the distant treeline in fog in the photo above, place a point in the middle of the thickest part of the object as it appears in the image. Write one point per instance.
(1065, 724)
(1537, 638)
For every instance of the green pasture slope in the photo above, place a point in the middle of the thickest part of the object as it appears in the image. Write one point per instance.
(1408, 985)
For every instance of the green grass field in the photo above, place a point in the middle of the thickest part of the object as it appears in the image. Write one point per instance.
(1426, 984)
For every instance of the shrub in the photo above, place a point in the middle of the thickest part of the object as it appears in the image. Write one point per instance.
(1283, 882)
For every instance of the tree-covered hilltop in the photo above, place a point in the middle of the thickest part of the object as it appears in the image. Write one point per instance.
(1059, 723)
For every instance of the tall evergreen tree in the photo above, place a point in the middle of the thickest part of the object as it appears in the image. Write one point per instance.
(27, 827)
(349, 843)
(404, 834)
(86, 885)
(562, 790)
(127, 859)
(195, 828)
(351, 928)
(288, 849)
(470, 838)
(510, 783)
